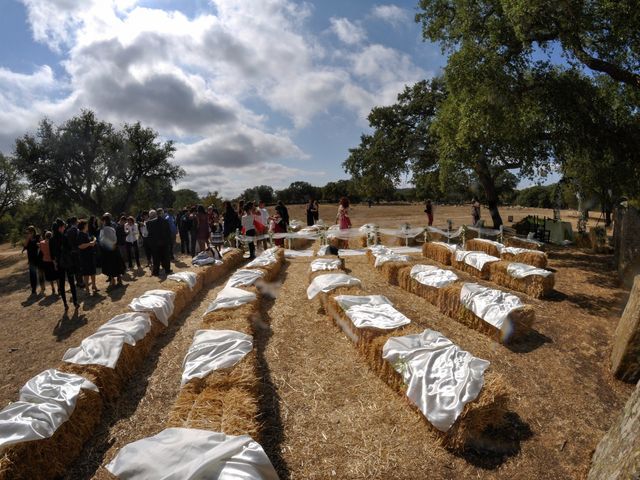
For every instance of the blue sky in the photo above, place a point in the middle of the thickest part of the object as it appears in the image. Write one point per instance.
(252, 91)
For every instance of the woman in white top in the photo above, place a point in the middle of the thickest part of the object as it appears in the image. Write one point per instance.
(248, 228)
(133, 233)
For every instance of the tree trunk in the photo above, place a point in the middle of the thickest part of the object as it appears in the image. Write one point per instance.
(488, 184)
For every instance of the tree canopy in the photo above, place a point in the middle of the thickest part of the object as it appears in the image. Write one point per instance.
(85, 161)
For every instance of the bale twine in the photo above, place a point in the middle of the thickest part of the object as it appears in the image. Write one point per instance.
(537, 286)
(50, 457)
(437, 253)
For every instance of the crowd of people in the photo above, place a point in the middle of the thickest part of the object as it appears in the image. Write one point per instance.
(73, 251)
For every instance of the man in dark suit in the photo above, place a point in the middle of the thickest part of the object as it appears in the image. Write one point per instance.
(159, 239)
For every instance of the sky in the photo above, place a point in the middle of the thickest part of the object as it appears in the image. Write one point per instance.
(252, 91)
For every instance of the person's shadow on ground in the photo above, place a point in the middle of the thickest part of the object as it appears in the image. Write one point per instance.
(68, 324)
(117, 292)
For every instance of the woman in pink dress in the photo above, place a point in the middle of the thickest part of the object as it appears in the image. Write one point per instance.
(343, 219)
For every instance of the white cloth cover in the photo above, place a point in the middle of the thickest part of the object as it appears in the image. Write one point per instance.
(492, 306)
(160, 302)
(371, 311)
(389, 257)
(225, 250)
(325, 264)
(485, 231)
(189, 278)
(231, 297)
(367, 227)
(521, 270)
(346, 252)
(380, 249)
(344, 234)
(104, 346)
(46, 402)
(323, 250)
(203, 258)
(263, 260)
(190, 454)
(451, 234)
(244, 277)
(402, 232)
(452, 247)
(516, 251)
(330, 281)
(432, 276)
(476, 260)
(440, 377)
(406, 249)
(212, 350)
(298, 253)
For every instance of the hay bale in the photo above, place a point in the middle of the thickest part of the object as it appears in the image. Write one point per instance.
(518, 242)
(463, 267)
(625, 355)
(537, 286)
(398, 241)
(521, 321)
(111, 381)
(217, 317)
(391, 270)
(533, 258)
(183, 295)
(406, 282)
(325, 297)
(477, 245)
(51, 457)
(438, 253)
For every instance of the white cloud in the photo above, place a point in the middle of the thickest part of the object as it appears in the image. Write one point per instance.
(392, 14)
(214, 77)
(347, 32)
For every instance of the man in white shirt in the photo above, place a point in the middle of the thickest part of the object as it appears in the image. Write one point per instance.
(265, 221)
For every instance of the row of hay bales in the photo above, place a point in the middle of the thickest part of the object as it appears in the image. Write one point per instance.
(537, 286)
(50, 457)
(447, 300)
(473, 427)
(226, 400)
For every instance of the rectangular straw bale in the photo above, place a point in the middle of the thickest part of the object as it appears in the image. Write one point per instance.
(537, 286)
(439, 253)
(521, 321)
(406, 282)
(397, 241)
(476, 245)
(324, 297)
(218, 317)
(535, 259)
(463, 267)
(301, 243)
(183, 295)
(110, 381)
(390, 270)
(51, 457)
(522, 243)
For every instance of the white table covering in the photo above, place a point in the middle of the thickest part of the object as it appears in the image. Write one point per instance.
(191, 454)
(45, 402)
(440, 377)
(213, 350)
(371, 311)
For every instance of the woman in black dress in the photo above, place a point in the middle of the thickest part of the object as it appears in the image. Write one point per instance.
(62, 255)
(87, 255)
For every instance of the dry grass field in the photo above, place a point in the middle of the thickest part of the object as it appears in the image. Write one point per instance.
(325, 413)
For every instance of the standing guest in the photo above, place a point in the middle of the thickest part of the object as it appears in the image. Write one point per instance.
(277, 226)
(133, 234)
(248, 228)
(72, 233)
(61, 253)
(121, 236)
(283, 212)
(93, 227)
(310, 212)
(159, 240)
(202, 234)
(264, 214)
(428, 209)
(193, 230)
(231, 220)
(30, 244)
(49, 268)
(316, 211)
(144, 233)
(261, 227)
(475, 211)
(184, 225)
(112, 263)
(173, 227)
(240, 208)
(343, 220)
(86, 249)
